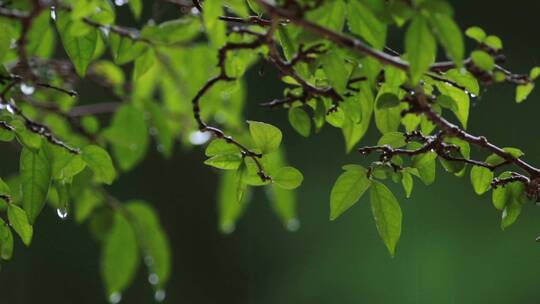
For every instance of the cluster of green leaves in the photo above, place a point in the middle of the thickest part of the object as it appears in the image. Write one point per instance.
(428, 26)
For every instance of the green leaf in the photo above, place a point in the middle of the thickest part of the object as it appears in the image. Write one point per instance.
(173, 31)
(420, 46)
(534, 73)
(481, 179)
(26, 137)
(124, 49)
(215, 28)
(19, 221)
(510, 214)
(266, 137)
(493, 42)
(348, 189)
(64, 165)
(100, 162)
(288, 178)
(462, 102)
(120, 257)
(464, 78)
(335, 69)
(220, 146)
(129, 136)
(225, 161)
(512, 193)
(86, 203)
(300, 121)
(35, 173)
(426, 165)
(393, 139)
(387, 215)
(483, 60)
(229, 208)
(449, 35)
(364, 23)
(152, 241)
(387, 100)
(143, 64)
(523, 91)
(136, 7)
(407, 183)
(4, 191)
(352, 131)
(80, 49)
(6, 241)
(330, 14)
(476, 33)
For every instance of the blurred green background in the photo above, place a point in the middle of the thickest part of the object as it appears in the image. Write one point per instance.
(451, 251)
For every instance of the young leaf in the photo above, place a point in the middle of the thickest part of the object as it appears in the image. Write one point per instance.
(300, 121)
(476, 33)
(288, 178)
(19, 221)
(483, 60)
(348, 189)
(387, 215)
(420, 46)
(119, 259)
(481, 179)
(266, 137)
(393, 139)
(523, 91)
(100, 162)
(225, 161)
(220, 146)
(35, 172)
(407, 183)
(6, 241)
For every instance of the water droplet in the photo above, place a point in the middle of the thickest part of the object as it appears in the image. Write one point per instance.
(152, 131)
(199, 138)
(115, 298)
(62, 213)
(227, 227)
(27, 89)
(293, 225)
(160, 295)
(120, 2)
(10, 109)
(53, 13)
(148, 260)
(153, 279)
(161, 148)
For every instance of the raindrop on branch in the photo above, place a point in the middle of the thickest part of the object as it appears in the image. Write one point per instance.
(27, 89)
(62, 213)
